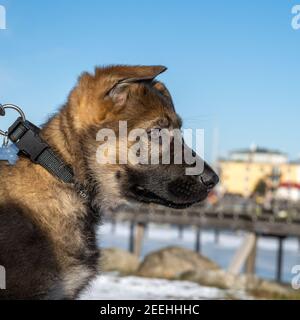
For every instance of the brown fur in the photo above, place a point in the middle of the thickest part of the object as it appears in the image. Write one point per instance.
(47, 231)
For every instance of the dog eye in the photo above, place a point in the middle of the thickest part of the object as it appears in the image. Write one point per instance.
(155, 135)
(154, 132)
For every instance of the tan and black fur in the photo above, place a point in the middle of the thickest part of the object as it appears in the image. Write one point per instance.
(47, 231)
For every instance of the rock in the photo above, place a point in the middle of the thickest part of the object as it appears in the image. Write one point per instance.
(211, 278)
(172, 262)
(272, 287)
(114, 259)
(260, 288)
(250, 284)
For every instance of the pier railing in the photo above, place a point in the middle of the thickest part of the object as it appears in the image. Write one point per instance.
(249, 218)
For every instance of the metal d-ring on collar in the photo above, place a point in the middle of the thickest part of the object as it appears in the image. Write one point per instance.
(13, 107)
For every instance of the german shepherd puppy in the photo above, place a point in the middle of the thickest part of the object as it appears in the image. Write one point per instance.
(47, 230)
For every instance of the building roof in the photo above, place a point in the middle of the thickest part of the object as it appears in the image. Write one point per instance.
(258, 150)
(290, 185)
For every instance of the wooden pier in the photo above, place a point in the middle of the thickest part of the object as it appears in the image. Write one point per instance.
(252, 220)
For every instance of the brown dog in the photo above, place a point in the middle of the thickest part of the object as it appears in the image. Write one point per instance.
(47, 231)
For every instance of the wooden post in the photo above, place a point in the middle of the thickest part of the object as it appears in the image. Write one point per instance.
(180, 232)
(113, 226)
(217, 236)
(139, 236)
(198, 240)
(251, 260)
(131, 237)
(242, 254)
(279, 259)
(146, 230)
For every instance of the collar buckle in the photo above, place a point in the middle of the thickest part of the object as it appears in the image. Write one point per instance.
(26, 137)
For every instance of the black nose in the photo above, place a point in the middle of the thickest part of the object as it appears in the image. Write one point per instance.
(209, 178)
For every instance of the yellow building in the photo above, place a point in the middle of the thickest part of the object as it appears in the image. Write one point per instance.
(243, 170)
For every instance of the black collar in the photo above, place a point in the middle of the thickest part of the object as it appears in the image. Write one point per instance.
(25, 136)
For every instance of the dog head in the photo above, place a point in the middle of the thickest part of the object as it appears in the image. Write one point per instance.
(130, 95)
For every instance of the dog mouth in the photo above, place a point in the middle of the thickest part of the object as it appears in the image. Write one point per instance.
(142, 194)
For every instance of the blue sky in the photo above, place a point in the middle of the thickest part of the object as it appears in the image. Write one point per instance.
(233, 65)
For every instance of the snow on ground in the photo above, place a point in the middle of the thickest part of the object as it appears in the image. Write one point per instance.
(112, 287)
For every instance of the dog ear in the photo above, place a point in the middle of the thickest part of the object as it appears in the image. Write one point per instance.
(140, 73)
(122, 76)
